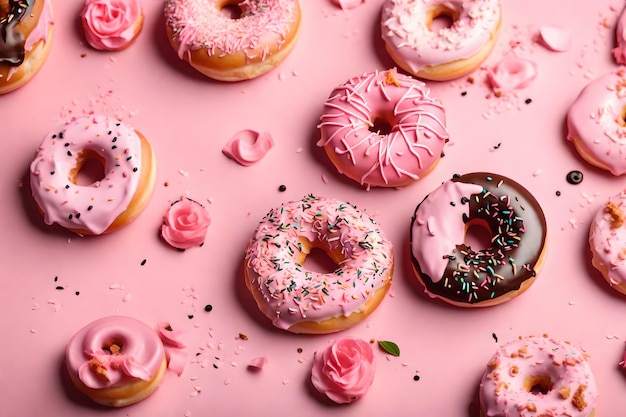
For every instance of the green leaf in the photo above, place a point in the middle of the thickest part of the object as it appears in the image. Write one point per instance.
(389, 347)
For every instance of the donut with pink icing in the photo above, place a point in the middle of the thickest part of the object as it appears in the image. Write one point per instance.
(501, 268)
(232, 40)
(26, 28)
(607, 239)
(595, 122)
(111, 25)
(352, 129)
(300, 300)
(116, 361)
(106, 204)
(440, 39)
(538, 376)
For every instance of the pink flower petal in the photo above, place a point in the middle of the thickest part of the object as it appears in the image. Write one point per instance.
(248, 147)
(555, 39)
(258, 363)
(512, 73)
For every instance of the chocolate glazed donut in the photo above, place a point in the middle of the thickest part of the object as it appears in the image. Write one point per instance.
(449, 268)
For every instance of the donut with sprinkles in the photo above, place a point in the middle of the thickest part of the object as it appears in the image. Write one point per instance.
(441, 253)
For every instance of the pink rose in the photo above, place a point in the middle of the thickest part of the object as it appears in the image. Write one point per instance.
(511, 74)
(111, 24)
(344, 371)
(185, 224)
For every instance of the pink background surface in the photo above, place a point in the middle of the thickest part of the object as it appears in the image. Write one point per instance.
(188, 120)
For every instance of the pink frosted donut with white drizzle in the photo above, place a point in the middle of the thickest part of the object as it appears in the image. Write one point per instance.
(416, 43)
(607, 239)
(107, 204)
(350, 129)
(596, 125)
(304, 301)
(116, 361)
(538, 376)
(235, 48)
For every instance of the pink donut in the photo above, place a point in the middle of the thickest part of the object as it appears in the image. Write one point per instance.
(538, 376)
(304, 301)
(116, 361)
(595, 122)
(607, 239)
(356, 145)
(445, 53)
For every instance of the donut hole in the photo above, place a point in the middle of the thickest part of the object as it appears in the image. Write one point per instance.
(318, 260)
(89, 168)
(380, 126)
(231, 9)
(538, 384)
(478, 236)
(441, 18)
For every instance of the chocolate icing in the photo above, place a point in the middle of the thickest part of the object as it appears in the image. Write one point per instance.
(518, 227)
(11, 40)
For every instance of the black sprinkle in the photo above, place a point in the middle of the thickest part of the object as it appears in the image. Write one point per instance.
(89, 208)
(452, 203)
(498, 145)
(114, 147)
(494, 337)
(528, 101)
(464, 93)
(60, 287)
(77, 293)
(78, 215)
(558, 193)
(135, 169)
(67, 186)
(282, 188)
(190, 316)
(416, 378)
(143, 262)
(574, 177)
(208, 307)
(56, 279)
(464, 200)
(70, 217)
(114, 139)
(67, 144)
(69, 153)
(60, 135)
(51, 172)
(215, 366)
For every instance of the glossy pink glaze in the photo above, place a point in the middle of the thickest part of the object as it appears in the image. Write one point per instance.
(619, 52)
(185, 224)
(502, 390)
(344, 370)
(405, 30)
(438, 226)
(415, 142)
(200, 24)
(607, 239)
(596, 118)
(92, 207)
(174, 347)
(140, 357)
(295, 294)
(111, 24)
(248, 147)
(512, 73)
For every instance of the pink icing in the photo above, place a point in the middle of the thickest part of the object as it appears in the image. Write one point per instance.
(555, 39)
(200, 24)
(174, 347)
(619, 52)
(502, 390)
(512, 73)
(185, 224)
(415, 142)
(438, 226)
(348, 4)
(41, 31)
(608, 241)
(92, 207)
(294, 294)
(141, 354)
(344, 370)
(248, 147)
(406, 32)
(111, 24)
(596, 119)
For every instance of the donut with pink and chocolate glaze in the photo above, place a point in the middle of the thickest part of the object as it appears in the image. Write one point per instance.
(352, 129)
(449, 268)
(538, 376)
(116, 361)
(595, 122)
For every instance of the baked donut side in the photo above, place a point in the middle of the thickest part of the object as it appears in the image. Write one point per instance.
(233, 49)
(449, 268)
(445, 53)
(27, 31)
(538, 375)
(107, 204)
(304, 301)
